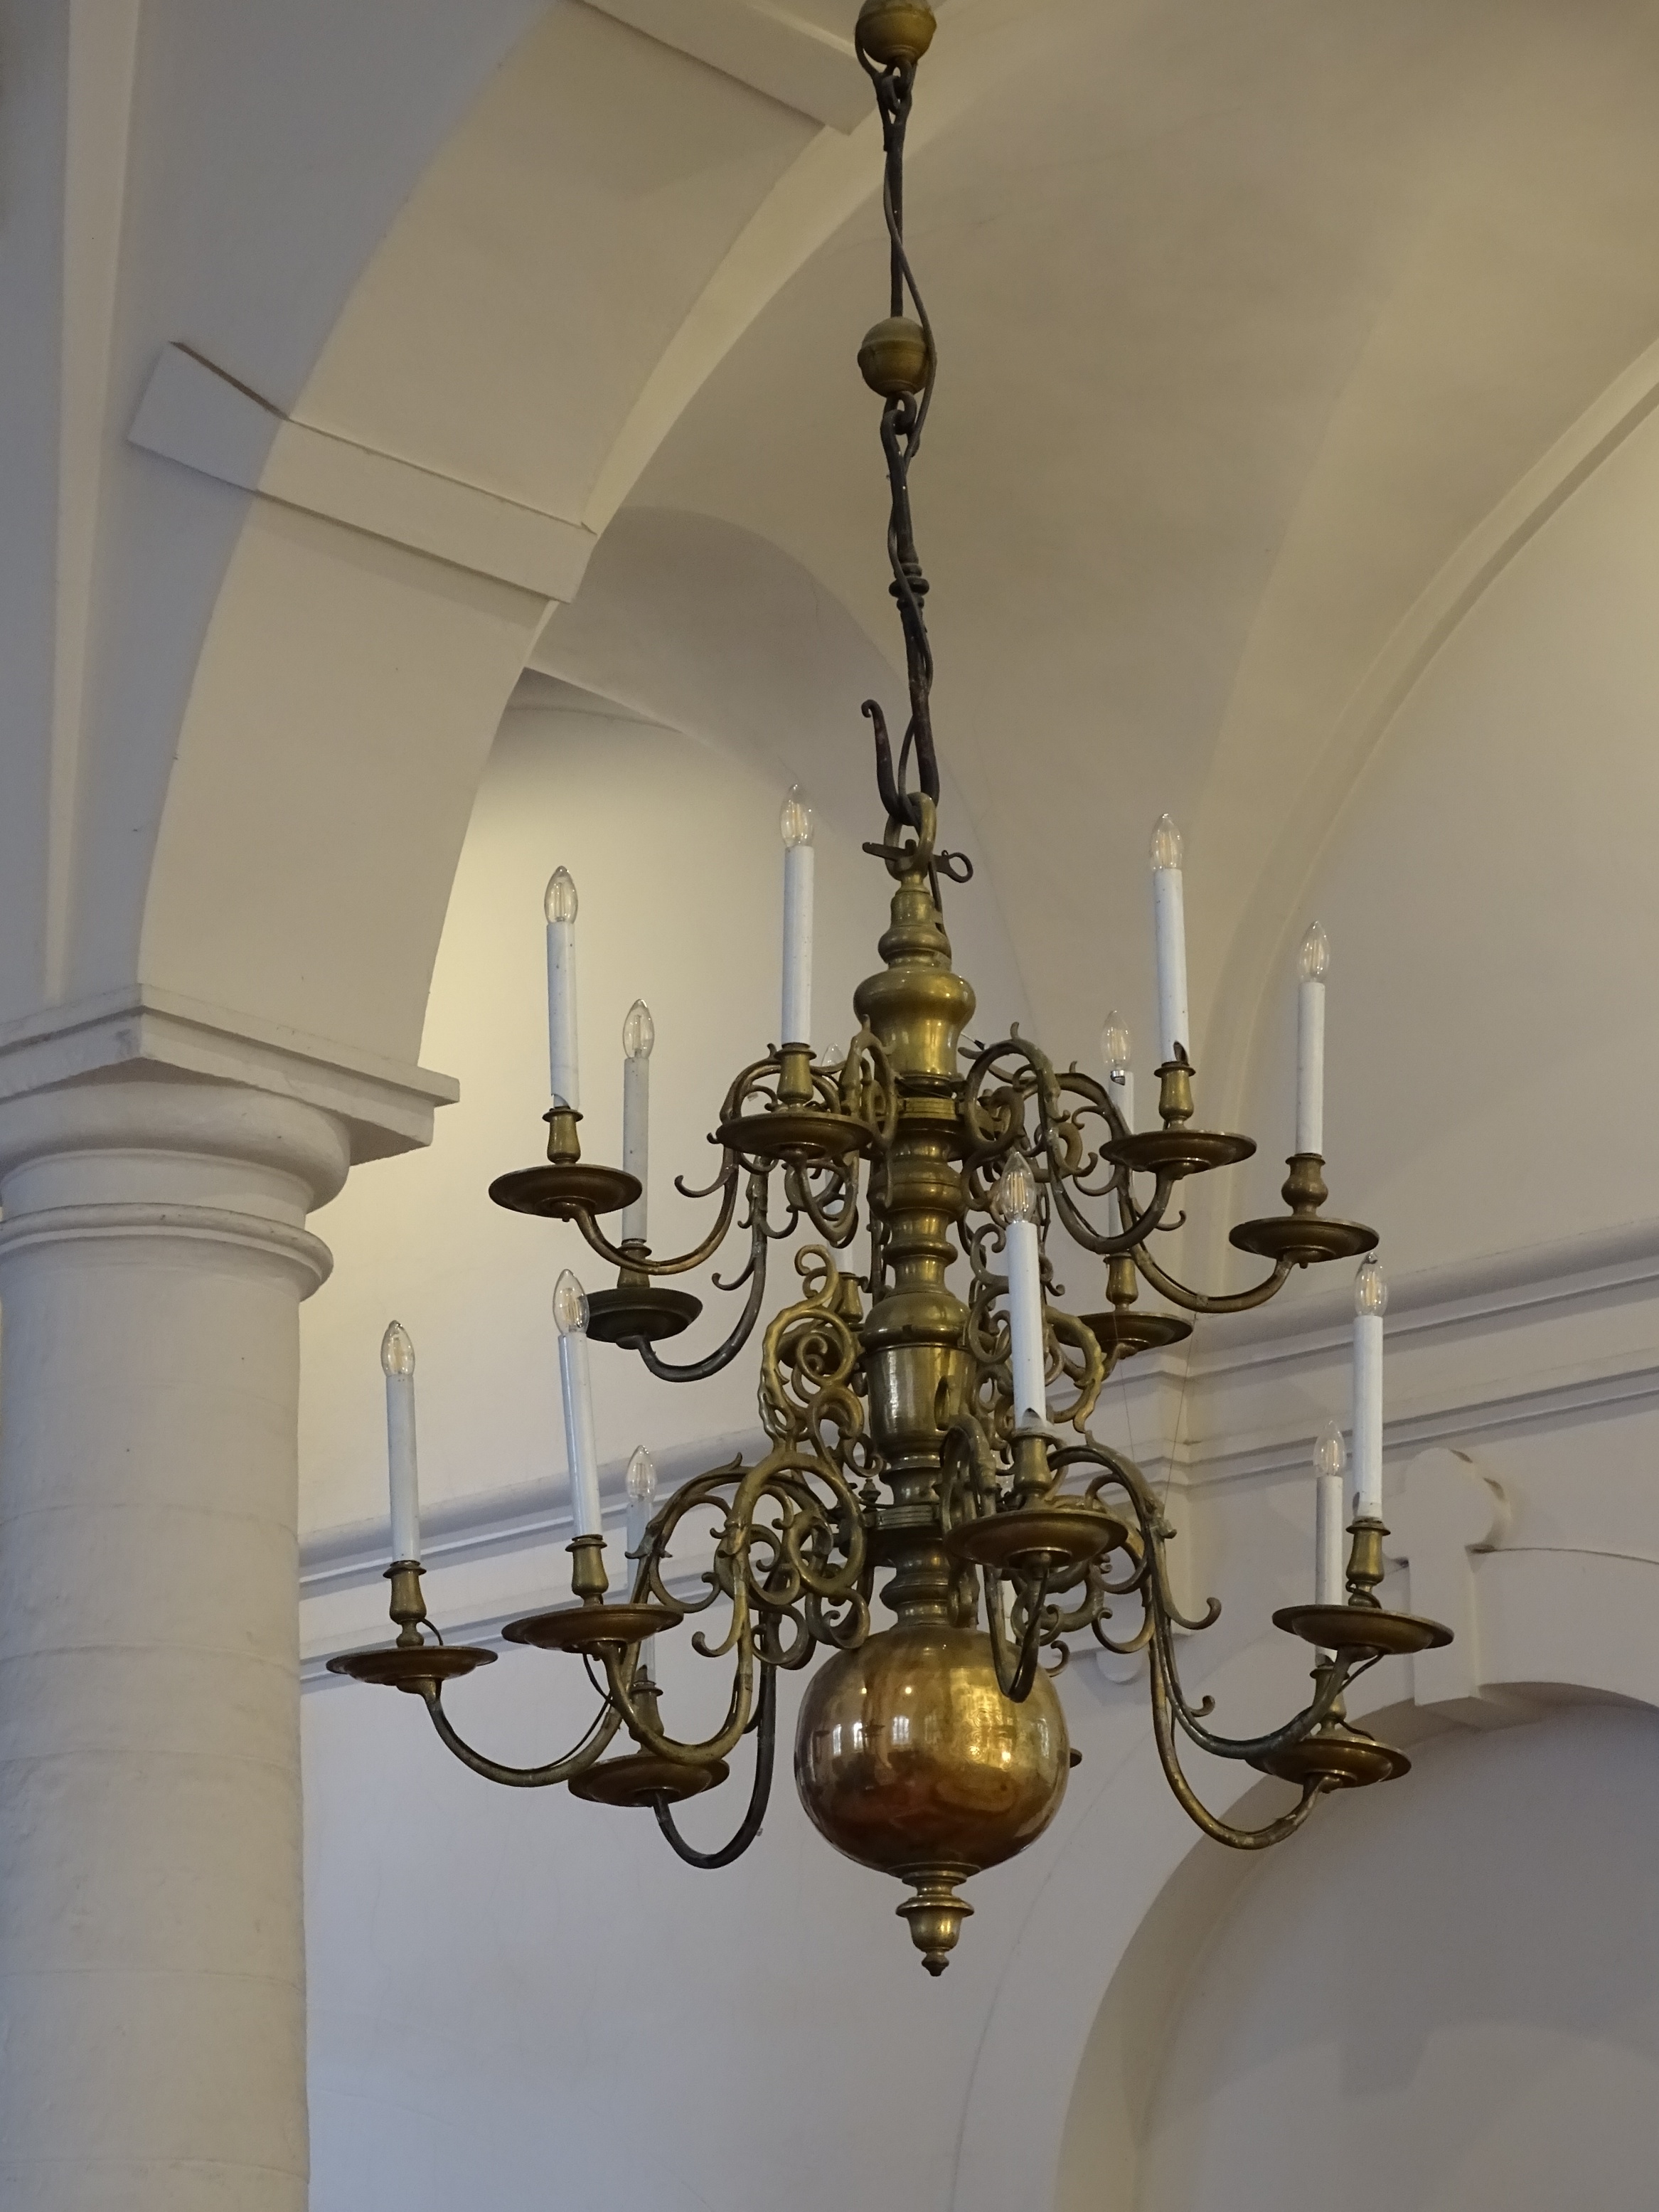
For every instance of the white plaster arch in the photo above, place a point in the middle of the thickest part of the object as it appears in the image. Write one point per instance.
(1131, 1896)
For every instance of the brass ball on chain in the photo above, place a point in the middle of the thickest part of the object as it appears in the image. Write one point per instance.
(892, 30)
(893, 359)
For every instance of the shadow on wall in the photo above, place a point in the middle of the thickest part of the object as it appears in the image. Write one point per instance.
(1452, 2005)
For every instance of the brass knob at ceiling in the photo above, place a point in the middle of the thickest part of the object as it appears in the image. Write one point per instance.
(893, 359)
(891, 31)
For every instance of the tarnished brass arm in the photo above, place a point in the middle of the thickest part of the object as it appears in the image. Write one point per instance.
(587, 1752)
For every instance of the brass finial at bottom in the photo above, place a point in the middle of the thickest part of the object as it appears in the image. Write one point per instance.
(935, 1913)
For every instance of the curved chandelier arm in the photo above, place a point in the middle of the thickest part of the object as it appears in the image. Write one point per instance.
(698, 1371)
(591, 1748)
(1220, 1830)
(766, 1742)
(642, 1263)
(1199, 1302)
(618, 1662)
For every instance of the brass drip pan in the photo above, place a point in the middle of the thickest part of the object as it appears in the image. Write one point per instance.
(1029, 1537)
(1343, 1757)
(559, 1191)
(1303, 1239)
(410, 1666)
(639, 1313)
(1127, 1330)
(642, 1777)
(1177, 1152)
(1362, 1628)
(587, 1627)
(796, 1134)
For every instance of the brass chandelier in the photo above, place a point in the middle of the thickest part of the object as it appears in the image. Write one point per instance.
(912, 1433)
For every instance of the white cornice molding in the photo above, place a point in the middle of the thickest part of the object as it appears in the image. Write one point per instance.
(194, 414)
(387, 1107)
(770, 47)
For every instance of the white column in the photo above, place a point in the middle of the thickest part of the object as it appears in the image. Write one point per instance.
(153, 1257)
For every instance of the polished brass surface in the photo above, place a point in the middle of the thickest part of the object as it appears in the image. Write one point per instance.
(895, 31)
(1178, 1151)
(640, 1313)
(1035, 1539)
(1361, 1628)
(412, 1666)
(909, 1756)
(640, 1778)
(563, 1191)
(591, 1628)
(893, 357)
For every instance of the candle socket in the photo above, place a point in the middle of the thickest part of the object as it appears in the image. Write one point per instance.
(564, 1146)
(795, 1075)
(408, 1607)
(1174, 1094)
(1304, 1189)
(588, 1579)
(1120, 1279)
(632, 1275)
(1033, 1476)
(1365, 1563)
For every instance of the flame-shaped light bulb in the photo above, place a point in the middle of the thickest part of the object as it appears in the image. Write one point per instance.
(570, 1306)
(1115, 1045)
(397, 1350)
(1313, 961)
(639, 1031)
(559, 900)
(1166, 845)
(1016, 1194)
(795, 822)
(1371, 1290)
(1330, 1454)
(642, 1479)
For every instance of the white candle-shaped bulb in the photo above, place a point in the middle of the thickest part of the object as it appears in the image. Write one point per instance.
(559, 904)
(795, 824)
(638, 1034)
(398, 1361)
(1115, 1050)
(1169, 936)
(641, 1496)
(576, 1390)
(1329, 1566)
(1016, 1205)
(1371, 1299)
(1313, 964)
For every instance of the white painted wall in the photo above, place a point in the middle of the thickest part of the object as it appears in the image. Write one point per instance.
(1452, 2004)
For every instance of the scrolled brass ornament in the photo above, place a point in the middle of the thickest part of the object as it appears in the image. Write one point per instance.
(931, 1744)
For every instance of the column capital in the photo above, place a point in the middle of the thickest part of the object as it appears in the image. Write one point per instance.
(384, 1106)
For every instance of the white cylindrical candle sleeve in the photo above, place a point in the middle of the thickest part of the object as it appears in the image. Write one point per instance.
(1330, 1575)
(563, 1079)
(796, 823)
(638, 1034)
(397, 1360)
(1330, 1586)
(1313, 964)
(1169, 936)
(1015, 1202)
(1371, 1297)
(576, 1391)
(1026, 1324)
